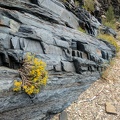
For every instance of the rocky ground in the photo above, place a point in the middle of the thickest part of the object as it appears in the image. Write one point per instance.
(101, 101)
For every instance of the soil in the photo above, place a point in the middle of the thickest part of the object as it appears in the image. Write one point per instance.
(91, 104)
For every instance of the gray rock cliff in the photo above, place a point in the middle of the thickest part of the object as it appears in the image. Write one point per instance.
(74, 59)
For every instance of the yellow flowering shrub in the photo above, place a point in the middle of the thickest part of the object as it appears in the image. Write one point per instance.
(17, 85)
(33, 75)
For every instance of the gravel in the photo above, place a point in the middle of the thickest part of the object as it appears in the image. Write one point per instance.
(91, 104)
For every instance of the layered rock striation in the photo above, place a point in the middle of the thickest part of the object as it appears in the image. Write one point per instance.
(74, 60)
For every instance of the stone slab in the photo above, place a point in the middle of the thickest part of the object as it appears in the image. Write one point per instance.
(68, 66)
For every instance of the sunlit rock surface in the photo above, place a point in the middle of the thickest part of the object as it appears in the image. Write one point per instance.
(74, 59)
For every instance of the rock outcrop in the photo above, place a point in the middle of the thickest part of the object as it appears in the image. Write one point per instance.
(47, 29)
(86, 20)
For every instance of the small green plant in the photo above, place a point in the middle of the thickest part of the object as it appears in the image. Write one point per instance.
(76, 3)
(33, 75)
(64, 0)
(110, 18)
(110, 14)
(110, 39)
(110, 24)
(89, 5)
(81, 30)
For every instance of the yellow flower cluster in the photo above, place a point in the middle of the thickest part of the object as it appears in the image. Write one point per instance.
(35, 74)
(17, 85)
(30, 89)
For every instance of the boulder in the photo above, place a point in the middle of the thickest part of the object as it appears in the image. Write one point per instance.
(74, 59)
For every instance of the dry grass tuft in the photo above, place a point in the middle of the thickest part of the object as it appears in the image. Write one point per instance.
(110, 39)
(113, 70)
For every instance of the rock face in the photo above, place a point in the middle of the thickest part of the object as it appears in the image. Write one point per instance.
(87, 21)
(74, 59)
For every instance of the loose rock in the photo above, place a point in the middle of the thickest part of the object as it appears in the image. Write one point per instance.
(63, 116)
(110, 108)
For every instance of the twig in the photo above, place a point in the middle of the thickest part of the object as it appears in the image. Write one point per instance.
(89, 100)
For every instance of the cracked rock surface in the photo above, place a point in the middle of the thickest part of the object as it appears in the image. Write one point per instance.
(74, 59)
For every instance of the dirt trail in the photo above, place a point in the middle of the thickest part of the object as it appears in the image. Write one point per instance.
(91, 104)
